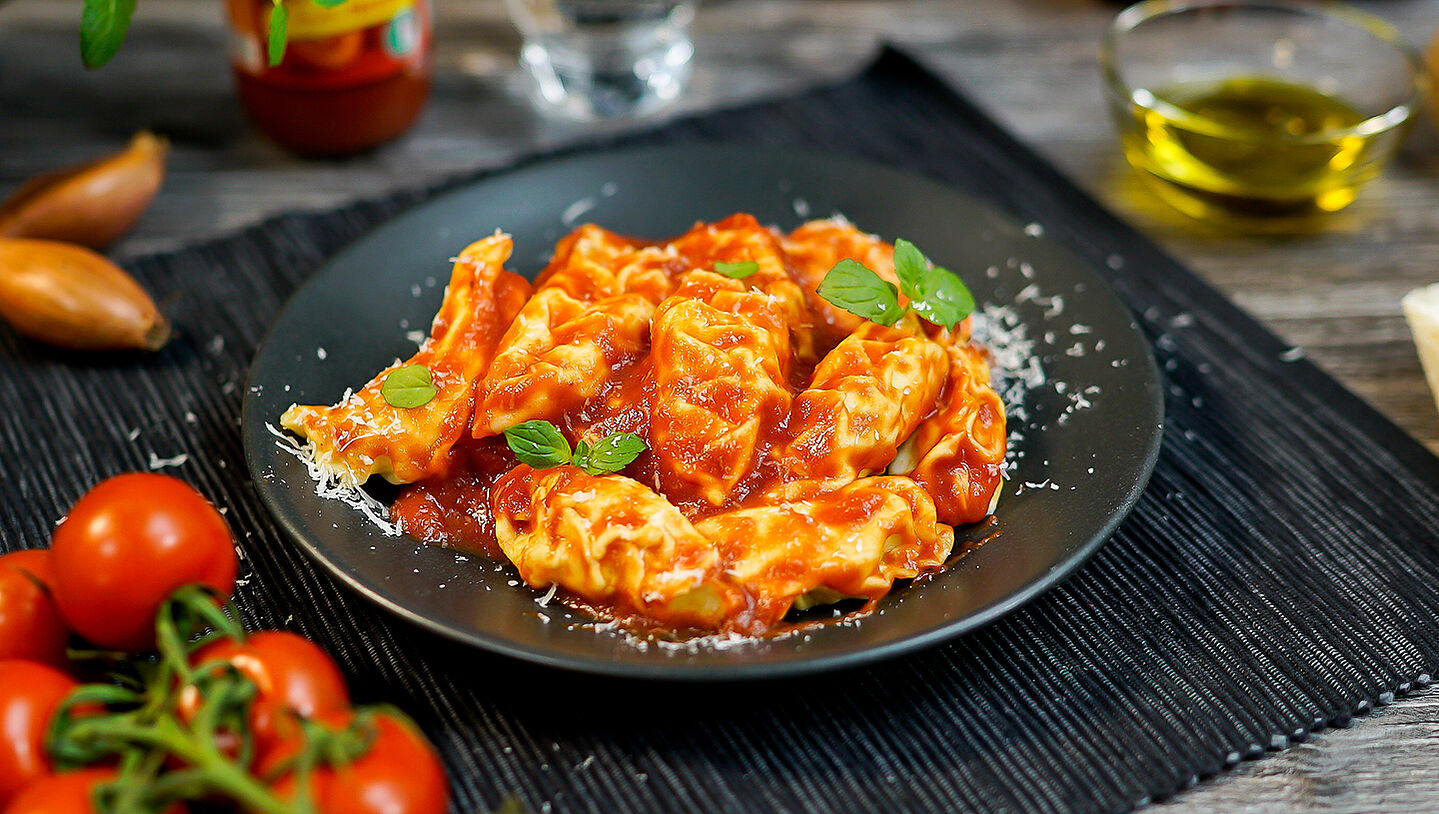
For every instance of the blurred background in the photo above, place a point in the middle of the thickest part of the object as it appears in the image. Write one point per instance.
(1031, 63)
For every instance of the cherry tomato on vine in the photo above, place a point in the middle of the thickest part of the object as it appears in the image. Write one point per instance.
(126, 545)
(30, 624)
(291, 675)
(399, 774)
(30, 692)
(69, 793)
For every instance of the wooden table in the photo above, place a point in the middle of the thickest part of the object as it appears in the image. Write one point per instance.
(1030, 62)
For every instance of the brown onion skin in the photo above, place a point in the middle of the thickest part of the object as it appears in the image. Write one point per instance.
(71, 297)
(91, 204)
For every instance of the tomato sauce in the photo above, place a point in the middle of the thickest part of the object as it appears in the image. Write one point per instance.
(454, 509)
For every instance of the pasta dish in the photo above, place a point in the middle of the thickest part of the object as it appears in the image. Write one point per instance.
(698, 434)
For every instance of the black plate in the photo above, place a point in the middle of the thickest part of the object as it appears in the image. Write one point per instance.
(1084, 466)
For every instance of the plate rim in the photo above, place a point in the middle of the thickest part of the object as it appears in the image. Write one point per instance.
(675, 671)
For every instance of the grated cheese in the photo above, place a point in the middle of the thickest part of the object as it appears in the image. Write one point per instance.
(577, 210)
(156, 462)
(328, 486)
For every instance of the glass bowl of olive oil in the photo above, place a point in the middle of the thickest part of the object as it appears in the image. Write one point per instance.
(1257, 111)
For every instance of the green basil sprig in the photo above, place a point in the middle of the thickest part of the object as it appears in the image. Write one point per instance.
(103, 24)
(935, 294)
(279, 34)
(409, 387)
(541, 445)
(858, 290)
(737, 271)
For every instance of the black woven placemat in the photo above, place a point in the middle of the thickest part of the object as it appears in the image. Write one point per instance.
(1279, 574)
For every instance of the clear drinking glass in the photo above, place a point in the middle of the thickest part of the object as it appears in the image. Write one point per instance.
(604, 59)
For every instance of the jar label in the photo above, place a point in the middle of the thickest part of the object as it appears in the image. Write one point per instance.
(402, 35)
(353, 43)
(311, 21)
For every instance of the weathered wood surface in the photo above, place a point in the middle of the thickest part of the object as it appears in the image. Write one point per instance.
(1334, 293)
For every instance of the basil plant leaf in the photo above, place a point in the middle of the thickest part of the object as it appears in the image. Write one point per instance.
(910, 266)
(856, 289)
(103, 24)
(737, 271)
(611, 453)
(581, 457)
(538, 443)
(936, 294)
(279, 23)
(408, 387)
(944, 298)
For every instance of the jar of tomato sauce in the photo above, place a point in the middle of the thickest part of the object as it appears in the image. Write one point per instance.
(354, 75)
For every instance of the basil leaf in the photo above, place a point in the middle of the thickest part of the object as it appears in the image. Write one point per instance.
(103, 24)
(328, 3)
(582, 455)
(538, 443)
(934, 293)
(943, 298)
(279, 21)
(737, 271)
(856, 289)
(610, 454)
(408, 387)
(910, 266)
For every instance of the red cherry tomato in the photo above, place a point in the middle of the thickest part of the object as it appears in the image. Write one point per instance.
(69, 793)
(30, 624)
(291, 675)
(400, 773)
(30, 692)
(126, 546)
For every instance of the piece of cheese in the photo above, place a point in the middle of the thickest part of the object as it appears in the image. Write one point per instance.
(1421, 309)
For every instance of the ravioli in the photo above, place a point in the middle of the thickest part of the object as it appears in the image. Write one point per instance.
(739, 239)
(558, 354)
(365, 436)
(588, 320)
(613, 540)
(814, 248)
(795, 454)
(867, 395)
(958, 453)
(851, 542)
(610, 540)
(721, 357)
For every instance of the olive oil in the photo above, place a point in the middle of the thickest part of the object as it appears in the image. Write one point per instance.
(1251, 146)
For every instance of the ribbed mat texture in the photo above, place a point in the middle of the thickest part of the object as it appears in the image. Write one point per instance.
(1280, 573)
